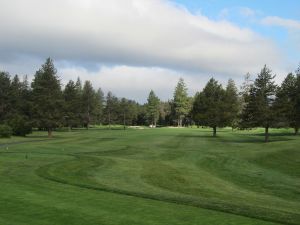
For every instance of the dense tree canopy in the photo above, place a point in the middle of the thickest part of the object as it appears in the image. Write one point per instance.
(72, 104)
(297, 101)
(153, 108)
(47, 98)
(5, 104)
(232, 104)
(209, 106)
(45, 105)
(285, 103)
(259, 110)
(180, 102)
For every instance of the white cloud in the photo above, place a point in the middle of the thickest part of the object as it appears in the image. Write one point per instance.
(224, 13)
(130, 32)
(137, 44)
(247, 12)
(135, 82)
(278, 21)
(293, 27)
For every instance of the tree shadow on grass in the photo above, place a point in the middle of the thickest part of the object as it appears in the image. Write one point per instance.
(277, 134)
(256, 140)
(244, 138)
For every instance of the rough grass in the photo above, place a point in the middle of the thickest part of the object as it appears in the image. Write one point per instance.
(151, 176)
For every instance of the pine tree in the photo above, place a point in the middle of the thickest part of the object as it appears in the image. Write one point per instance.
(153, 108)
(99, 106)
(180, 102)
(20, 114)
(246, 85)
(165, 112)
(15, 95)
(285, 102)
(112, 109)
(72, 104)
(209, 107)
(232, 103)
(88, 103)
(297, 102)
(128, 115)
(47, 98)
(5, 103)
(259, 105)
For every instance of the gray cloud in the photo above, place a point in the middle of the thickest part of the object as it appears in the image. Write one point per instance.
(136, 82)
(130, 46)
(130, 32)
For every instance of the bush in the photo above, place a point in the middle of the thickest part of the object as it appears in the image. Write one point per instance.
(20, 127)
(5, 131)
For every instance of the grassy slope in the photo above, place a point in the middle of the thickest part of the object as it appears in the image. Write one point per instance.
(159, 176)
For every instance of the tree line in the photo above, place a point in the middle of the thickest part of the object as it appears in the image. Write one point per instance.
(45, 105)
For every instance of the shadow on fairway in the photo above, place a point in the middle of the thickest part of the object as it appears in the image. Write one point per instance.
(281, 134)
(252, 138)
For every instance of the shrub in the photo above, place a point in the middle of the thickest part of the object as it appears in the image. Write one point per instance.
(5, 131)
(20, 127)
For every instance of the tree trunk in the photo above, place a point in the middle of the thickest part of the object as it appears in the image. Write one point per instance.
(296, 130)
(179, 122)
(49, 132)
(267, 134)
(214, 131)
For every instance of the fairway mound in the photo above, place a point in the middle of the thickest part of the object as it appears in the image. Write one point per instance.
(158, 181)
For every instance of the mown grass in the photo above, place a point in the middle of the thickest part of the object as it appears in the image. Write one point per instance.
(151, 176)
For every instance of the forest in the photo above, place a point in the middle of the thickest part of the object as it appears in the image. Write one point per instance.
(43, 104)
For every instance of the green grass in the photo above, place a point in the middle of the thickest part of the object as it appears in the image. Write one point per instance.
(151, 176)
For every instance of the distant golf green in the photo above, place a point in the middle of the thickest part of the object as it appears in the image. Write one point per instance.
(159, 176)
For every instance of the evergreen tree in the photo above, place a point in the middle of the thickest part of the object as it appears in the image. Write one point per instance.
(180, 102)
(165, 113)
(259, 105)
(5, 103)
(246, 85)
(72, 105)
(124, 104)
(112, 109)
(232, 104)
(142, 115)
(297, 101)
(153, 108)
(244, 95)
(188, 119)
(209, 108)
(78, 85)
(88, 103)
(20, 114)
(99, 106)
(47, 98)
(15, 93)
(80, 109)
(285, 103)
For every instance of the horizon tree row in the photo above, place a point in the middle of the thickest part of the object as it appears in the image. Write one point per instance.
(43, 104)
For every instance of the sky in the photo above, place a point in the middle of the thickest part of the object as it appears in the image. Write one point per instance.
(132, 46)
